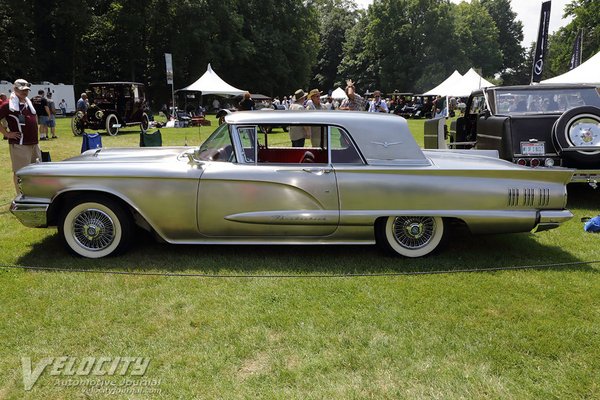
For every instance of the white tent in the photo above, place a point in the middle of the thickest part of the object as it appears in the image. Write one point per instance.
(338, 94)
(442, 88)
(460, 86)
(472, 81)
(211, 83)
(588, 72)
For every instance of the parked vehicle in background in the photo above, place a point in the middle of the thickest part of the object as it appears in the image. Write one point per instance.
(535, 125)
(112, 106)
(367, 181)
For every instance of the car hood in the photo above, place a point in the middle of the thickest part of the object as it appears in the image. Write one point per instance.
(133, 154)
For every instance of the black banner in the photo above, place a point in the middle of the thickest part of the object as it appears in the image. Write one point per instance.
(542, 43)
(576, 56)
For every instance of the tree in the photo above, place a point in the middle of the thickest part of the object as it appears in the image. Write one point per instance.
(336, 18)
(479, 37)
(586, 17)
(510, 31)
(358, 59)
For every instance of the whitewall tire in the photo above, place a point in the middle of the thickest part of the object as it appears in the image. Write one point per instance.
(412, 236)
(111, 120)
(95, 228)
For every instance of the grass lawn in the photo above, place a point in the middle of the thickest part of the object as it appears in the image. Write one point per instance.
(516, 334)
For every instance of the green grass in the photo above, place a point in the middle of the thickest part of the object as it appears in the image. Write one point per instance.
(517, 334)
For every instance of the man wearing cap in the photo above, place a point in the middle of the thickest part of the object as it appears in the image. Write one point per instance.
(22, 128)
(314, 103)
(298, 134)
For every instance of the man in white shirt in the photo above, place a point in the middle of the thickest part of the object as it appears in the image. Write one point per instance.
(378, 104)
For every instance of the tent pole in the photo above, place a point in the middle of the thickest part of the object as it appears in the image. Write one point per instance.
(173, 98)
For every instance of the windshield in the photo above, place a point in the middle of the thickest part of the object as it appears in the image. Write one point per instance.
(218, 146)
(541, 100)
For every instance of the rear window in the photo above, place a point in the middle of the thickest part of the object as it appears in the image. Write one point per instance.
(538, 101)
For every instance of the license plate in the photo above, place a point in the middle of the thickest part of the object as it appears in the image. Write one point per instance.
(533, 149)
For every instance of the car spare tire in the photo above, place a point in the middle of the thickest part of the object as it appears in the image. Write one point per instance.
(577, 137)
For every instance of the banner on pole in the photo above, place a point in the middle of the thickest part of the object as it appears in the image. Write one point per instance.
(576, 56)
(542, 44)
(169, 64)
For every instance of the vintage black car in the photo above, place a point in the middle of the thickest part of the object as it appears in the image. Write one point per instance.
(112, 106)
(539, 125)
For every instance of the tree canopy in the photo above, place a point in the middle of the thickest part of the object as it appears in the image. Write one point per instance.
(275, 47)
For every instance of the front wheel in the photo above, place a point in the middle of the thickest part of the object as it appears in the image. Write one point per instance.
(77, 123)
(95, 227)
(112, 124)
(411, 236)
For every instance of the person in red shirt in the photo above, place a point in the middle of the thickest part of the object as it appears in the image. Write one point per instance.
(22, 131)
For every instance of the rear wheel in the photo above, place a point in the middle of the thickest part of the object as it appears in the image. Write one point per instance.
(145, 123)
(112, 123)
(410, 236)
(95, 227)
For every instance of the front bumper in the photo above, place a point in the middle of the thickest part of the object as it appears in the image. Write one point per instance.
(32, 215)
(552, 219)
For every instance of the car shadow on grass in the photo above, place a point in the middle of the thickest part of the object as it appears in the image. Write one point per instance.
(461, 251)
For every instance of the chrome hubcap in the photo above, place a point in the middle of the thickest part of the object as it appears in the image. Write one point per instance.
(413, 232)
(94, 230)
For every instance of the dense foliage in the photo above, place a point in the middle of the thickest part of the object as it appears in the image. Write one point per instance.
(274, 47)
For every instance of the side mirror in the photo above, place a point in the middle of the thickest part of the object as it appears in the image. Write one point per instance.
(487, 114)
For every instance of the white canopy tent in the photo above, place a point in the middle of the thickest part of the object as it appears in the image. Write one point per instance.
(588, 72)
(211, 83)
(339, 94)
(469, 82)
(460, 86)
(443, 87)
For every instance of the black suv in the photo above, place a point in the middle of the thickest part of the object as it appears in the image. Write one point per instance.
(112, 106)
(539, 125)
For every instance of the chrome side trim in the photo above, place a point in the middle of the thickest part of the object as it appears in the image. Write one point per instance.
(287, 217)
(30, 215)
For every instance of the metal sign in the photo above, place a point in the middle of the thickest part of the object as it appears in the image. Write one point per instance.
(169, 64)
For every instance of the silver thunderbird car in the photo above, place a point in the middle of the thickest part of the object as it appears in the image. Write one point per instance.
(360, 178)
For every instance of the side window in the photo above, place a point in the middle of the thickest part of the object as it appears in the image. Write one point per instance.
(477, 105)
(342, 148)
(300, 145)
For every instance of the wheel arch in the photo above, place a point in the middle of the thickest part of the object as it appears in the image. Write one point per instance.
(62, 199)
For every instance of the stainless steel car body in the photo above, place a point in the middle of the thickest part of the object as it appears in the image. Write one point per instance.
(186, 198)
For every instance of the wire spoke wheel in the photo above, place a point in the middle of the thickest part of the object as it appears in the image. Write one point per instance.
(93, 230)
(413, 232)
(96, 227)
(411, 236)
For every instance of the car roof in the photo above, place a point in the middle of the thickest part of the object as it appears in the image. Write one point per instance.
(380, 137)
(543, 86)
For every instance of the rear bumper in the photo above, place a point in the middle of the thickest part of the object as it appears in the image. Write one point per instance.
(33, 215)
(591, 176)
(552, 219)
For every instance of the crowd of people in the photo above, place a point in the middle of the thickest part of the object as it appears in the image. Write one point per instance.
(409, 106)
